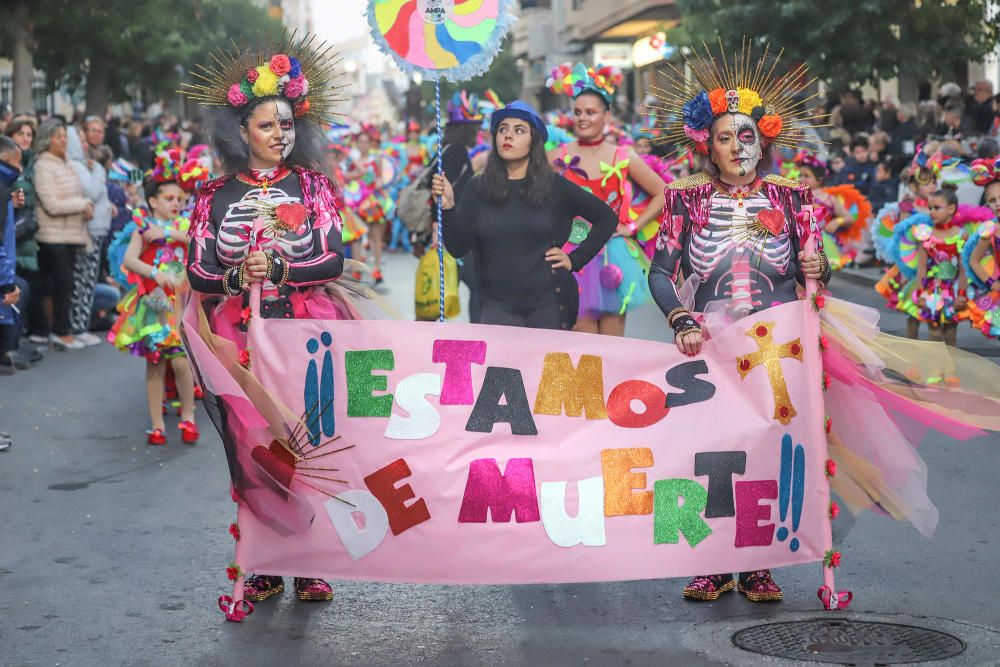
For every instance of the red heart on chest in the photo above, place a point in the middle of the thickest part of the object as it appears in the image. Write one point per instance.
(772, 220)
(291, 216)
(276, 461)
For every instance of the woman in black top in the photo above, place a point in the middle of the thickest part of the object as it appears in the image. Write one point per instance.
(515, 218)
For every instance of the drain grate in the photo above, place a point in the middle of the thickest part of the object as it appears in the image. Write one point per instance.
(845, 642)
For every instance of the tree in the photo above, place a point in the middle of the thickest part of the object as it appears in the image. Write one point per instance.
(848, 43)
(113, 46)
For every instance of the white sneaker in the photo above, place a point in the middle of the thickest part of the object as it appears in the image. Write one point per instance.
(5, 444)
(38, 340)
(88, 339)
(60, 344)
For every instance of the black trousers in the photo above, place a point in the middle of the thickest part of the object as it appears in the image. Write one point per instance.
(57, 262)
(546, 316)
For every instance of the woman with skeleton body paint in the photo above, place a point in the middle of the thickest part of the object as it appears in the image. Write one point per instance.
(270, 220)
(736, 237)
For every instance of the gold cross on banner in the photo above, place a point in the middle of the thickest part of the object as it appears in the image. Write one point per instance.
(769, 354)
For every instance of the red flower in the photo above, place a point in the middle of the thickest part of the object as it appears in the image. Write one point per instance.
(234, 572)
(280, 64)
(831, 468)
(717, 98)
(824, 343)
(301, 108)
(252, 74)
(829, 425)
(831, 558)
(826, 381)
(834, 510)
(245, 358)
(234, 530)
(819, 301)
(245, 315)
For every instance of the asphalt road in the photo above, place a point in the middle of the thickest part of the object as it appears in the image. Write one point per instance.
(113, 553)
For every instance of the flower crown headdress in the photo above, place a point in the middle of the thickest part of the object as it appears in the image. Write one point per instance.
(301, 70)
(574, 80)
(686, 108)
(172, 166)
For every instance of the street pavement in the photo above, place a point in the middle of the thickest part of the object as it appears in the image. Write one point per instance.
(113, 553)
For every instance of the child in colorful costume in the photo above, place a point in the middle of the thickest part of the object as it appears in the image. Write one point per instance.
(733, 243)
(614, 282)
(842, 211)
(148, 322)
(981, 256)
(939, 294)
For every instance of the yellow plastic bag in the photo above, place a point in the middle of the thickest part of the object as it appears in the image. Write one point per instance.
(428, 287)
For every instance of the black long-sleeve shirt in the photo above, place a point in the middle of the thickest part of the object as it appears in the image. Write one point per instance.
(510, 240)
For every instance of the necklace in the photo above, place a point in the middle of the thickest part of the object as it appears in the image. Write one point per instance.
(264, 182)
(737, 192)
(591, 144)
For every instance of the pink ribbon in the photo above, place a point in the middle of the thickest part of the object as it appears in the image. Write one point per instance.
(235, 611)
(832, 601)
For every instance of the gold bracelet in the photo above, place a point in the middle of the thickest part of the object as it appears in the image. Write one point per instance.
(676, 311)
(226, 276)
(286, 268)
(269, 256)
(241, 275)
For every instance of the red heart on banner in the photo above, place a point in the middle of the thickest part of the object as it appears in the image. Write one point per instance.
(276, 461)
(772, 220)
(292, 215)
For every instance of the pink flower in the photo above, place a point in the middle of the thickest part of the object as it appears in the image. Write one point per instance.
(831, 468)
(252, 74)
(245, 315)
(698, 136)
(829, 425)
(833, 559)
(295, 88)
(834, 509)
(280, 64)
(824, 343)
(245, 358)
(236, 96)
(826, 381)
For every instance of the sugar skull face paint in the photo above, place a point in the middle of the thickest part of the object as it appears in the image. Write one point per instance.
(736, 146)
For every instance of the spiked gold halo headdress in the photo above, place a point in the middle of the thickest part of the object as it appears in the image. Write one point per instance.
(301, 70)
(686, 108)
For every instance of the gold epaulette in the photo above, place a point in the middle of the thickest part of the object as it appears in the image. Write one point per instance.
(692, 181)
(775, 179)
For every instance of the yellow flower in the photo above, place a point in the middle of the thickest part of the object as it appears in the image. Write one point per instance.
(266, 83)
(748, 100)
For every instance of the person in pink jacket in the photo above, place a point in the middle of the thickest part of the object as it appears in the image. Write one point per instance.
(62, 214)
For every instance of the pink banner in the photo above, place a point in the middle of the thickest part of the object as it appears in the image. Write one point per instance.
(483, 454)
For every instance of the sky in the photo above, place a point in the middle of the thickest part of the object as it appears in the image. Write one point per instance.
(339, 20)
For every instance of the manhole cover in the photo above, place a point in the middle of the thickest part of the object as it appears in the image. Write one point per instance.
(847, 642)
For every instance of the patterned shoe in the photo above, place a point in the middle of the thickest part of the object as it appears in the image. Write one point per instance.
(709, 587)
(759, 586)
(189, 432)
(156, 436)
(313, 589)
(259, 587)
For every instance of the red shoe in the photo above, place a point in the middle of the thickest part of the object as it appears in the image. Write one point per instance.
(156, 436)
(377, 275)
(189, 432)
